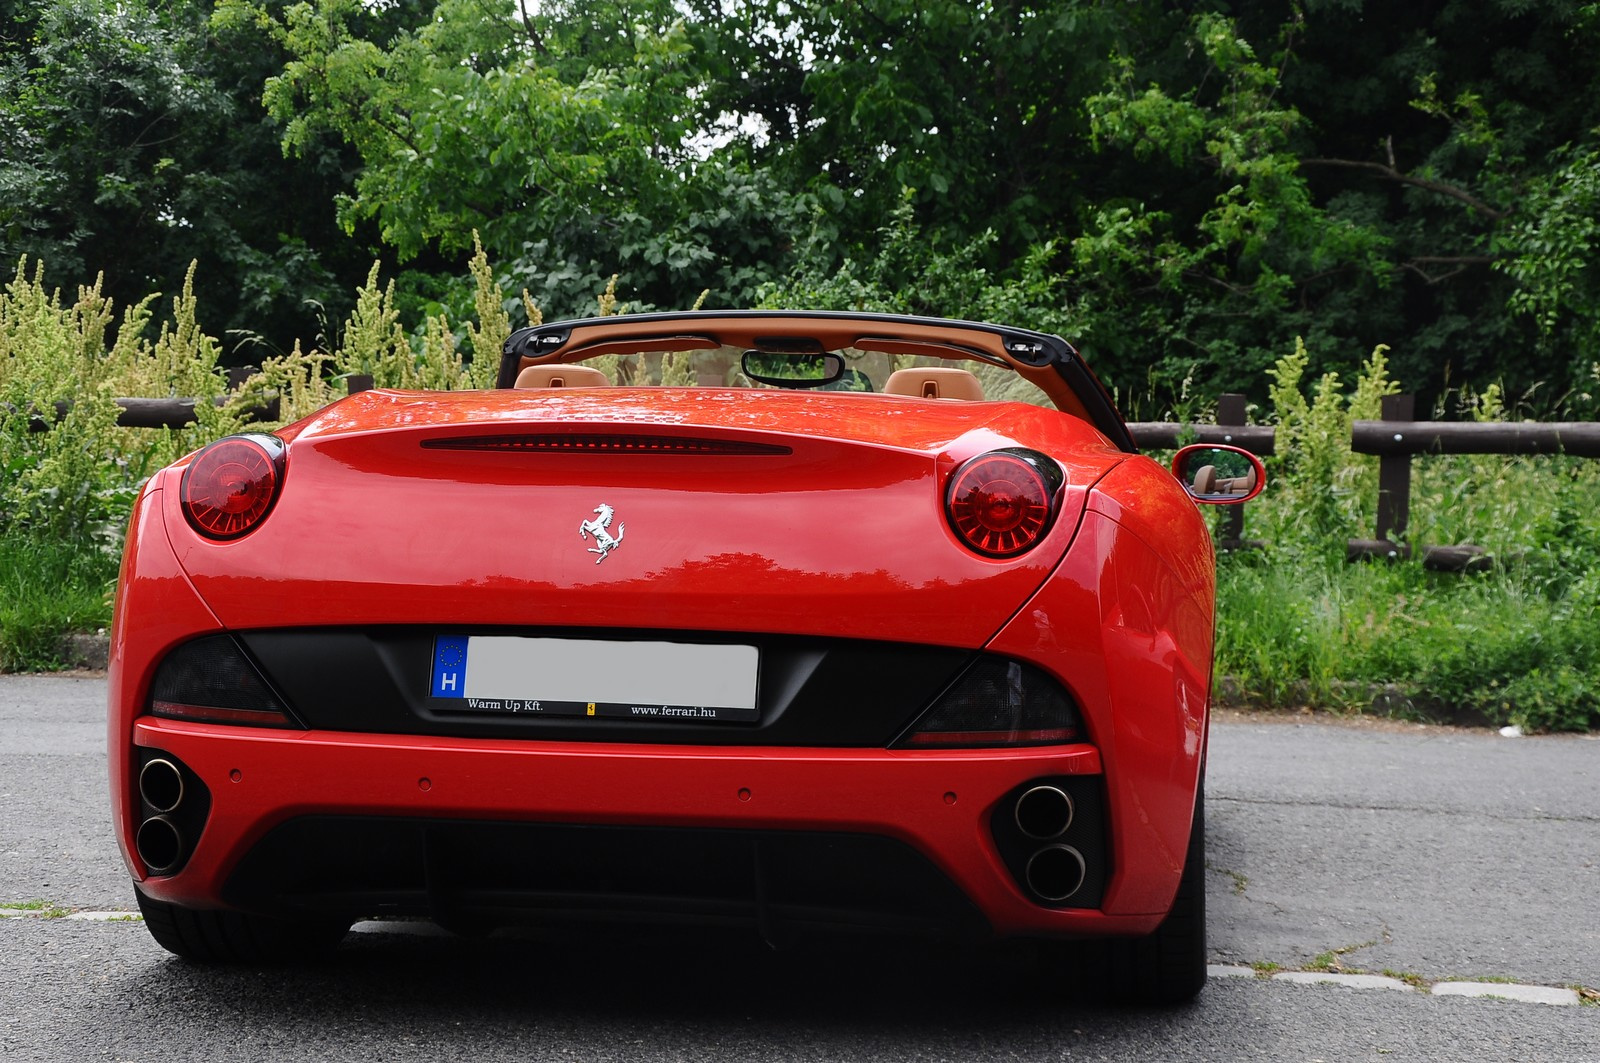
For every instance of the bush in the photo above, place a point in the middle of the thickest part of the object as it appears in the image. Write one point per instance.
(65, 492)
(1298, 625)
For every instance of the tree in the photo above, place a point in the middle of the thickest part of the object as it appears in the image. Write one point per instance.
(1354, 174)
(1463, 130)
(497, 120)
(136, 144)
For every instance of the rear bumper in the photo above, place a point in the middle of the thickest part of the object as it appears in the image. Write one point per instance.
(278, 793)
(1126, 634)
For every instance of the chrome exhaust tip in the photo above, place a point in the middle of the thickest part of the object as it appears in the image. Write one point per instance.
(1044, 812)
(161, 785)
(1056, 872)
(160, 844)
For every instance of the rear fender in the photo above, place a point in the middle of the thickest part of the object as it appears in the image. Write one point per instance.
(1128, 627)
(156, 608)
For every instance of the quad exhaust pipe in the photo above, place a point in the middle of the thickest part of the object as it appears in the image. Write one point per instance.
(160, 844)
(160, 841)
(1055, 872)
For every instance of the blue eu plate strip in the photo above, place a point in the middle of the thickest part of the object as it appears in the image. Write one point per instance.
(449, 666)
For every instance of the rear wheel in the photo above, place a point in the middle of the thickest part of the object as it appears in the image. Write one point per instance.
(1164, 967)
(207, 935)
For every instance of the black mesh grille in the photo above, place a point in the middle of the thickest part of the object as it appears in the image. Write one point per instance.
(488, 873)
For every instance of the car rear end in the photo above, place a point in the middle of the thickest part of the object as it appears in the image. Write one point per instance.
(683, 654)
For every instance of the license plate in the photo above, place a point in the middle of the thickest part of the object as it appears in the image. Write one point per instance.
(666, 681)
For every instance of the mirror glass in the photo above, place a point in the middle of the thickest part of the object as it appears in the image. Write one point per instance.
(1217, 474)
(792, 370)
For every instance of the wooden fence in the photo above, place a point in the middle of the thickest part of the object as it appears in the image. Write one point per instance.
(178, 413)
(1395, 439)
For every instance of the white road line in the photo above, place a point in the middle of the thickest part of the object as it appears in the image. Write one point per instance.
(1526, 994)
(1559, 996)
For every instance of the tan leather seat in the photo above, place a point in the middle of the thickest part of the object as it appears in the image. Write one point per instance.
(937, 382)
(561, 376)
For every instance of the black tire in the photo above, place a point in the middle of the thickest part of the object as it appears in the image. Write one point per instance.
(207, 935)
(1166, 967)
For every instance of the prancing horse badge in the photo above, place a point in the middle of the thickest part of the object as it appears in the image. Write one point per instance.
(598, 527)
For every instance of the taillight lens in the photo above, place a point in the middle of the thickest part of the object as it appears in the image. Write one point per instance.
(1001, 503)
(211, 680)
(230, 486)
(998, 702)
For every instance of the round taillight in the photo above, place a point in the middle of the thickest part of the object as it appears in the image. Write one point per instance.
(230, 486)
(1000, 503)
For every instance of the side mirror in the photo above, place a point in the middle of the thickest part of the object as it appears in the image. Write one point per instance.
(1219, 475)
(792, 370)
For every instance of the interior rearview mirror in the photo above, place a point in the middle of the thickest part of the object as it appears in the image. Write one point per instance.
(782, 370)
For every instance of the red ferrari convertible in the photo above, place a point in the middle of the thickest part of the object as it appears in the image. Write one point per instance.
(839, 633)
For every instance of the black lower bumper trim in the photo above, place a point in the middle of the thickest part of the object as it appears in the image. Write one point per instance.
(484, 873)
(813, 691)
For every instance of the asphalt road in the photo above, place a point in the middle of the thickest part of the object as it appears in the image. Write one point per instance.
(1427, 852)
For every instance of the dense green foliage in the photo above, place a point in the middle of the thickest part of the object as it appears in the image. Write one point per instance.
(1297, 625)
(133, 142)
(1181, 190)
(1202, 197)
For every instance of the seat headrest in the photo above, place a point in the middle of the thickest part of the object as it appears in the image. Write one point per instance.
(936, 382)
(561, 376)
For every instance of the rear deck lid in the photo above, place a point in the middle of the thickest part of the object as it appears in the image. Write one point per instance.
(640, 509)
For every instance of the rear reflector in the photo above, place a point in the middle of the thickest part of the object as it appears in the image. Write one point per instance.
(998, 703)
(212, 681)
(607, 444)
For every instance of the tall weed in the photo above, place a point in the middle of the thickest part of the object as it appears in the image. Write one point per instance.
(64, 362)
(1323, 492)
(1296, 624)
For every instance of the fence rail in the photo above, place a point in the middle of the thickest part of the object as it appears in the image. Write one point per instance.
(1580, 439)
(179, 412)
(1161, 435)
(1395, 439)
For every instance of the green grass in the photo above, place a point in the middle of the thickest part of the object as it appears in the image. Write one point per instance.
(1408, 642)
(1298, 625)
(39, 908)
(49, 588)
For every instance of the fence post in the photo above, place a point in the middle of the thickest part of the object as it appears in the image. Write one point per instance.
(1394, 490)
(1230, 524)
(238, 374)
(356, 383)
(1394, 474)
